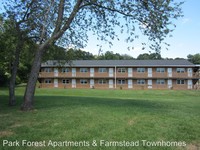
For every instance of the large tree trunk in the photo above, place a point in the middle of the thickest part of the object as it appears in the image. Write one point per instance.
(30, 88)
(14, 68)
(57, 33)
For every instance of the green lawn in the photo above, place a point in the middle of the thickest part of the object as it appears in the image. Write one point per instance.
(106, 116)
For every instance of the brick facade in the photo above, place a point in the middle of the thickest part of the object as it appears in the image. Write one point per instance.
(120, 75)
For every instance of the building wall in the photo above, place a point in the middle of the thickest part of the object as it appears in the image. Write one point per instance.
(53, 78)
(96, 85)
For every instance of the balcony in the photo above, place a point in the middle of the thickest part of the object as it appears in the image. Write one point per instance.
(122, 75)
(180, 75)
(83, 74)
(140, 75)
(46, 74)
(159, 75)
(101, 74)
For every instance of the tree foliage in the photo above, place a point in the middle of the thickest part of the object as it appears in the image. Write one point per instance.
(152, 56)
(195, 59)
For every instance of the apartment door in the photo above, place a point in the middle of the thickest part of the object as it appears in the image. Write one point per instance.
(91, 72)
(149, 84)
(73, 72)
(190, 84)
(189, 72)
(130, 72)
(169, 70)
(55, 72)
(149, 72)
(110, 83)
(169, 82)
(73, 83)
(56, 83)
(91, 83)
(130, 83)
(110, 72)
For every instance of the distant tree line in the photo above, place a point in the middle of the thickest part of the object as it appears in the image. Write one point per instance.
(77, 54)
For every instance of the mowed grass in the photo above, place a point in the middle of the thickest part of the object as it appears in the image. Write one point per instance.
(110, 115)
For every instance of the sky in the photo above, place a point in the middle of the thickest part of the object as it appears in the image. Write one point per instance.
(185, 40)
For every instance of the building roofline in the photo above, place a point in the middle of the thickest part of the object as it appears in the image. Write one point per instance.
(119, 63)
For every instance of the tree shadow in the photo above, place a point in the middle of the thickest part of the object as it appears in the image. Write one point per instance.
(44, 102)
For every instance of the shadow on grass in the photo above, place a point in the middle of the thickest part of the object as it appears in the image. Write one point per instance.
(46, 102)
(43, 102)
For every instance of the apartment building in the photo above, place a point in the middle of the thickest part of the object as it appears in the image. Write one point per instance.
(119, 74)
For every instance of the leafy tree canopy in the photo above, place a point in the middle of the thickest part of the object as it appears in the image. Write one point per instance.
(73, 19)
(147, 56)
(194, 58)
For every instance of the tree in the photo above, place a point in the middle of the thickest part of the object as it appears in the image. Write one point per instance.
(178, 58)
(152, 56)
(195, 59)
(54, 52)
(69, 21)
(127, 57)
(109, 55)
(11, 53)
(17, 28)
(77, 54)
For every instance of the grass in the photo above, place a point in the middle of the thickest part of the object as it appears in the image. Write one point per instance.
(111, 115)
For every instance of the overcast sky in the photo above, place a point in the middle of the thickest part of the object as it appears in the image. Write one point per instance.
(185, 40)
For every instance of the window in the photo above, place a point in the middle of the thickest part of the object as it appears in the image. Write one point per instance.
(65, 81)
(180, 81)
(83, 69)
(83, 81)
(141, 81)
(102, 81)
(102, 70)
(122, 81)
(121, 70)
(65, 70)
(161, 70)
(140, 69)
(160, 81)
(47, 70)
(47, 81)
(180, 70)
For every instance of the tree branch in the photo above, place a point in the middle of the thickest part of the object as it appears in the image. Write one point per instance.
(69, 20)
(26, 15)
(60, 16)
(109, 9)
(44, 26)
